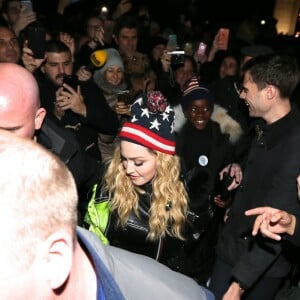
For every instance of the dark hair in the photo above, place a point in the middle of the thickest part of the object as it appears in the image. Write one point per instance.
(191, 60)
(56, 46)
(281, 71)
(126, 21)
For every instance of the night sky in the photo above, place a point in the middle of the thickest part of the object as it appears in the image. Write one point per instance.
(226, 12)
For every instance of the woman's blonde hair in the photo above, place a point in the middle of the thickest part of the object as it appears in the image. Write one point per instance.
(169, 201)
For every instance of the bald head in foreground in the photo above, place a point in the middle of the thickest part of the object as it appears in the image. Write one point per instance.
(20, 110)
(44, 255)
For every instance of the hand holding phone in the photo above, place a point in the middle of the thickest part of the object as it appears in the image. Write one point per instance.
(124, 97)
(72, 81)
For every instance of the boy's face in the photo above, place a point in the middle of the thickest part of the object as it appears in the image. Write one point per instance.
(199, 113)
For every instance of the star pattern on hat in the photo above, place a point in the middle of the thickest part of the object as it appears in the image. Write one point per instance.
(134, 119)
(155, 124)
(165, 116)
(145, 112)
(155, 120)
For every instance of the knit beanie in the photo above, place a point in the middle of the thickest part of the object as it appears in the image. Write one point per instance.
(113, 60)
(195, 91)
(151, 124)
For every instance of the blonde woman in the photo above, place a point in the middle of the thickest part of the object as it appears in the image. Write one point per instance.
(142, 203)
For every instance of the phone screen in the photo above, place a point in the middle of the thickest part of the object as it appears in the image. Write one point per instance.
(172, 42)
(223, 37)
(27, 5)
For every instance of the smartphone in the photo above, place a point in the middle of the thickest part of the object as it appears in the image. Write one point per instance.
(223, 37)
(201, 49)
(71, 80)
(172, 42)
(108, 31)
(124, 96)
(36, 37)
(27, 4)
(224, 184)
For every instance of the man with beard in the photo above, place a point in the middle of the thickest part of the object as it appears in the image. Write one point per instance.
(81, 107)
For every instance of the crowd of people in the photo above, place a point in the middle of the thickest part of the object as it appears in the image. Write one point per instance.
(153, 156)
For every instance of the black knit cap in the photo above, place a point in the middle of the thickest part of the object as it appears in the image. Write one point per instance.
(195, 91)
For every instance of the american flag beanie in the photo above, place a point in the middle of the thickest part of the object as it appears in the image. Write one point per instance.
(151, 124)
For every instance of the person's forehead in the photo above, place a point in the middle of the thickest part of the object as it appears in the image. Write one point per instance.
(14, 4)
(94, 21)
(58, 56)
(6, 33)
(200, 102)
(129, 32)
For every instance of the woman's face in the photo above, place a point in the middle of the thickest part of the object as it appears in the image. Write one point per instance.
(184, 73)
(199, 113)
(138, 162)
(229, 67)
(114, 75)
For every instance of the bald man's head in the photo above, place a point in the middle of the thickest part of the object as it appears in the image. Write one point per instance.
(20, 110)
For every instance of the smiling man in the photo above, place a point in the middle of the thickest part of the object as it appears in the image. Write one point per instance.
(254, 266)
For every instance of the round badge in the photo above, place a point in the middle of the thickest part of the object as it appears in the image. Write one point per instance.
(203, 160)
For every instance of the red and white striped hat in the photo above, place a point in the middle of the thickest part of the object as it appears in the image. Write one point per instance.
(151, 124)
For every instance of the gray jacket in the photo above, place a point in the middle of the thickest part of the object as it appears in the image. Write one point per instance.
(140, 277)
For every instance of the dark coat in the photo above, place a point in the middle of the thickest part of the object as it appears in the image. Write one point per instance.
(100, 117)
(192, 143)
(198, 254)
(269, 180)
(63, 143)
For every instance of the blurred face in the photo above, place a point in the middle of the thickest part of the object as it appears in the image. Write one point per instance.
(157, 52)
(114, 75)
(184, 73)
(127, 41)
(199, 113)
(13, 11)
(256, 100)
(94, 24)
(57, 65)
(9, 46)
(123, 7)
(228, 67)
(138, 162)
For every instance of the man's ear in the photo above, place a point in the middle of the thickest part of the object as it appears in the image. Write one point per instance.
(39, 118)
(271, 92)
(56, 258)
(42, 68)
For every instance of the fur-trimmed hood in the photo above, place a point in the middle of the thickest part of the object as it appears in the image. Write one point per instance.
(227, 124)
